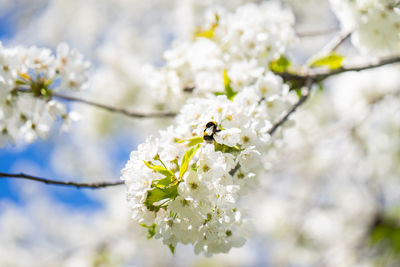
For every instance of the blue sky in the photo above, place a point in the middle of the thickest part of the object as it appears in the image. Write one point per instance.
(37, 154)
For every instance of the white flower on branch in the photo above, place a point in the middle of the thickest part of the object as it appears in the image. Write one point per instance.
(28, 77)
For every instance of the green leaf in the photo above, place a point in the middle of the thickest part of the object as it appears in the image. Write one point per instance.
(157, 194)
(296, 84)
(160, 169)
(227, 81)
(298, 92)
(192, 141)
(230, 93)
(176, 167)
(186, 159)
(25, 76)
(219, 93)
(280, 65)
(172, 248)
(195, 140)
(332, 61)
(226, 149)
(48, 82)
(19, 82)
(228, 90)
(206, 33)
(162, 182)
(209, 33)
(151, 230)
(209, 216)
(386, 233)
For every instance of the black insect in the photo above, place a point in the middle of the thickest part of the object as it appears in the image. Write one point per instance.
(209, 131)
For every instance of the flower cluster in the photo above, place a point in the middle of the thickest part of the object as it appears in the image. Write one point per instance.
(241, 43)
(28, 76)
(185, 187)
(376, 24)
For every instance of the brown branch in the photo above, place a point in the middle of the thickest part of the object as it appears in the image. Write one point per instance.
(55, 182)
(322, 74)
(129, 113)
(312, 76)
(305, 93)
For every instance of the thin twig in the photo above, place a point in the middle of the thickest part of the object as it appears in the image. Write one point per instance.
(320, 75)
(129, 113)
(316, 33)
(279, 123)
(234, 170)
(337, 41)
(303, 98)
(330, 47)
(55, 182)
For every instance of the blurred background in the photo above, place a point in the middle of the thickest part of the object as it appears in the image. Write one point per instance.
(329, 198)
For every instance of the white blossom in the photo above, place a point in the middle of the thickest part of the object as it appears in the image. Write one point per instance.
(240, 43)
(376, 24)
(28, 76)
(203, 202)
